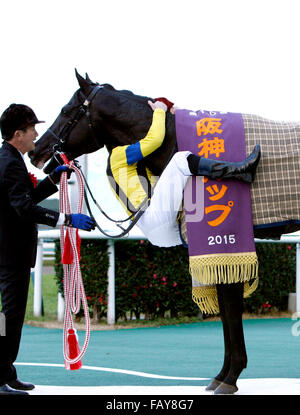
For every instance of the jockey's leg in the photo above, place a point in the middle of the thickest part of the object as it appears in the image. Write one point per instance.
(244, 170)
(158, 222)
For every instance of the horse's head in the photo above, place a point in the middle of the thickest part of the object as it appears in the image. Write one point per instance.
(71, 131)
(96, 115)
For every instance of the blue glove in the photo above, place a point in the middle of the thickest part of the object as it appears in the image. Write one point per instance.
(80, 221)
(55, 175)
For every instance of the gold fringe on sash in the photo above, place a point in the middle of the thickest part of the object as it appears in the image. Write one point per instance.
(206, 299)
(209, 270)
(249, 289)
(224, 268)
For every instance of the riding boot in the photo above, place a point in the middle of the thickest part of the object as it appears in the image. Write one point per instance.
(244, 170)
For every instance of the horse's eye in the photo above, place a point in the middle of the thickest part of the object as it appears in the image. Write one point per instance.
(64, 111)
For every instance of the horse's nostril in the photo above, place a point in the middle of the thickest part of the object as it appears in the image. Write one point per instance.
(31, 154)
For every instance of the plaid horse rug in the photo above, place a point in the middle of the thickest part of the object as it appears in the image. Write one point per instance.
(275, 192)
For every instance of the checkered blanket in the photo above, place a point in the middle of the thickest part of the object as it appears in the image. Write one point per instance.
(275, 192)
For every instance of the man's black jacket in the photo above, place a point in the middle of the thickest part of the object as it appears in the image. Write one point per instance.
(19, 212)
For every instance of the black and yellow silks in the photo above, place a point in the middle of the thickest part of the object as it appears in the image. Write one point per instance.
(132, 182)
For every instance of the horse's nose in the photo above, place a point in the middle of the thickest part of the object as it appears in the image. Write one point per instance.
(31, 154)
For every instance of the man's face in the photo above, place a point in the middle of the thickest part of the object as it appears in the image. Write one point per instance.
(27, 139)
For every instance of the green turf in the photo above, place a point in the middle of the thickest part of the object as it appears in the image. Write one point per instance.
(186, 350)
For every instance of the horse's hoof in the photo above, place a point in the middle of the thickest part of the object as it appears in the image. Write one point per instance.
(213, 385)
(225, 389)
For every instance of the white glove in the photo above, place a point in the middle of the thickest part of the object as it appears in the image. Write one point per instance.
(158, 104)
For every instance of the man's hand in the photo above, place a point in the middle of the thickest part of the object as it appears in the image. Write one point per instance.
(173, 109)
(56, 173)
(80, 221)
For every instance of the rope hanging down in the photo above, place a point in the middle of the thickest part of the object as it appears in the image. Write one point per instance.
(74, 293)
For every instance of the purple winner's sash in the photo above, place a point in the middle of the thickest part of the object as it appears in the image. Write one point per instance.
(221, 242)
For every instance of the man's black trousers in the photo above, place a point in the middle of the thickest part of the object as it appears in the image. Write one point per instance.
(14, 283)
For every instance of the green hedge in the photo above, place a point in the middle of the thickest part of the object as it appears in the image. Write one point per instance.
(152, 280)
(94, 266)
(277, 278)
(156, 281)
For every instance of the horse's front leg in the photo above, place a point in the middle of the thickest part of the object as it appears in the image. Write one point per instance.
(232, 295)
(227, 347)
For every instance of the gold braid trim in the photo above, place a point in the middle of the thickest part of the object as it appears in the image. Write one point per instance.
(207, 300)
(224, 268)
(249, 289)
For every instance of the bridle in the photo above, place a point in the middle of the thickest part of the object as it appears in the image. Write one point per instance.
(84, 110)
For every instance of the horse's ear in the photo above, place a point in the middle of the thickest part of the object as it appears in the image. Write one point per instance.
(83, 83)
(88, 78)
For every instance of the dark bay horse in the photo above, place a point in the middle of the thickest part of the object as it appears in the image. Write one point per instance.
(97, 116)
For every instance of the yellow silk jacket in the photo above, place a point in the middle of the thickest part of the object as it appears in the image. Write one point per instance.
(131, 182)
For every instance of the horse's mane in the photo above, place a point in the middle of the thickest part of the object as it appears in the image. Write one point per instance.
(126, 93)
(127, 118)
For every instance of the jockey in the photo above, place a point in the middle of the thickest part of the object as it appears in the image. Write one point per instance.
(134, 184)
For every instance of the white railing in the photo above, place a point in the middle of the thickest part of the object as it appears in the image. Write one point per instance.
(55, 234)
(38, 271)
(48, 250)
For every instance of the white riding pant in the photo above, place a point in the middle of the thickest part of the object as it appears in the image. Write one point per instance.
(158, 223)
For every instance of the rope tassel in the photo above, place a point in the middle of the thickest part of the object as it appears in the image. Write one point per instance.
(74, 293)
(67, 256)
(73, 349)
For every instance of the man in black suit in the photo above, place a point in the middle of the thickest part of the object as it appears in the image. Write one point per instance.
(19, 214)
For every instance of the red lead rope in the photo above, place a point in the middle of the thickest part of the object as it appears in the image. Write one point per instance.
(73, 286)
